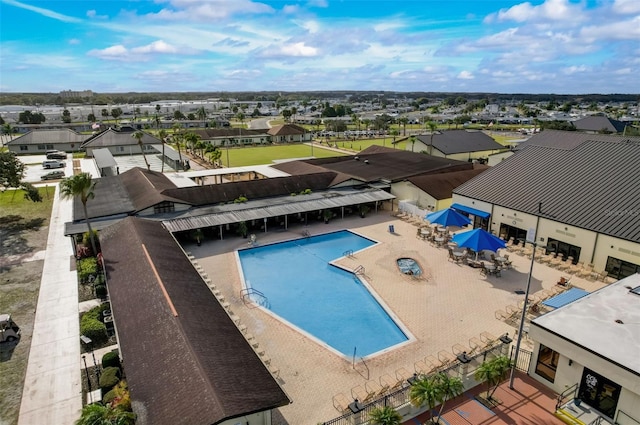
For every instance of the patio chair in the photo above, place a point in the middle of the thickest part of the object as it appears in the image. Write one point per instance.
(341, 403)
(475, 344)
(459, 349)
(446, 358)
(586, 271)
(508, 264)
(501, 315)
(373, 387)
(388, 383)
(403, 374)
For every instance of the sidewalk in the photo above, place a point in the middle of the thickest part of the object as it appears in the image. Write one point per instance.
(52, 391)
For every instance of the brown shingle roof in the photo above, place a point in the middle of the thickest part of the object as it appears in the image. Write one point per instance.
(286, 130)
(186, 361)
(253, 189)
(441, 185)
(377, 162)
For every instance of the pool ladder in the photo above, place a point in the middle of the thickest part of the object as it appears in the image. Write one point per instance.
(261, 300)
(359, 270)
(348, 253)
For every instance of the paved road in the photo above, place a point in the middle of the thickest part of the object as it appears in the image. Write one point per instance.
(52, 387)
(259, 124)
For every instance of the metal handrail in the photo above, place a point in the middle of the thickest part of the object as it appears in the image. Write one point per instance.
(359, 270)
(563, 396)
(247, 292)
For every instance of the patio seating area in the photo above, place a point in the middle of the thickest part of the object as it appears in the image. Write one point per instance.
(424, 307)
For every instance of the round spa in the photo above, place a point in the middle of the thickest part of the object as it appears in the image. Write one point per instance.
(409, 266)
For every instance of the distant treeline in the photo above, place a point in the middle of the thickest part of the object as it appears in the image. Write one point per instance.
(306, 96)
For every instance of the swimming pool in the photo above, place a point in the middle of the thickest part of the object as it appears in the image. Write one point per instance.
(326, 302)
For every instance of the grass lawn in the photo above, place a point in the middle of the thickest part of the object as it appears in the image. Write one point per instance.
(361, 144)
(240, 157)
(24, 227)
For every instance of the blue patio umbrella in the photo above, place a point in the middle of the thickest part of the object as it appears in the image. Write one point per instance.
(448, 217)
(478, 240)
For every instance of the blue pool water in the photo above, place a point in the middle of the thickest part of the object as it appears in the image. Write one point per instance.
(323, 300)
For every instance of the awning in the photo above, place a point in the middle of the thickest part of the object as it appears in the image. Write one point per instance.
(469, 210)
(565, 298)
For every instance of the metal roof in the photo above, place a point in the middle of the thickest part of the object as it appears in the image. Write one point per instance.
(103, 158)
(461, 141)
(274, 207)
(169, 152)
(595, 186)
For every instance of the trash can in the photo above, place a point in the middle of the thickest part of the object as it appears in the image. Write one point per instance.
(391, 229)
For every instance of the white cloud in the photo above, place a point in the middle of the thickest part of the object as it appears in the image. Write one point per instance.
(574, 69)
(74, 41)
(206, 10)
(621, 30)
(553, 10)
(465, 75)
(92, 14)
(112, 52)
(299, 49)
(626, 6)
(44, 12)
(158, 46)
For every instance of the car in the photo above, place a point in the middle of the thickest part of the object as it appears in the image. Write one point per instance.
(56, 155)
(53, 175)
(53, 163)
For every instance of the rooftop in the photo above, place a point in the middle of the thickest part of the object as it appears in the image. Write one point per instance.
(612, 314)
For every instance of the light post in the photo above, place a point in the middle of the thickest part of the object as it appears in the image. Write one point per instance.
(86, 371)
(524, 313)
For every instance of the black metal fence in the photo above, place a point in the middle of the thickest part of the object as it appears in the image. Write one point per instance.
(524, 359)
(400, 397)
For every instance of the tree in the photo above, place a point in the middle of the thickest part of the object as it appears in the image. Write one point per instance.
(138, 135)
(450, 387)
(201, 113)
(98, 414)
(178, 115)
(11, 175)
(191, 116)
(66, 116)
(177, 139)
(91, 117)
(162, 134)
(116, 113)
(104, 113)
(386, 415)
(493, 371)
(426, 390)
(413, 142)
(404, 121)
(80, 186)
(286, 114)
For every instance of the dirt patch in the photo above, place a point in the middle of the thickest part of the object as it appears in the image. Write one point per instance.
(23, 232)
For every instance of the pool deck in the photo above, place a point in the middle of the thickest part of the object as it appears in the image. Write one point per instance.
(447, 305)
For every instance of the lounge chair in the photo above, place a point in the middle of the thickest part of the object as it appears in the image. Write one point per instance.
(373, 387)
(388, 383)
(341, 403)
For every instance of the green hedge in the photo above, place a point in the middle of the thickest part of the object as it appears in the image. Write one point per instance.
(109, 396)
(87, 267)
(111, 359)
(94, 329)
(109, 378)
(101, 291)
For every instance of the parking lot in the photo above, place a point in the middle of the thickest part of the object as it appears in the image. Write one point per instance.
(34, 169)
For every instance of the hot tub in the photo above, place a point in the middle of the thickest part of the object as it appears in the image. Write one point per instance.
(409, 266)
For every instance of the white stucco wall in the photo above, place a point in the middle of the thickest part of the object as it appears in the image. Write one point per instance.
(618, 248)
(585, 239)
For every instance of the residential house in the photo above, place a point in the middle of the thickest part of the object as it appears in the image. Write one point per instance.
(462, 145)
(122, 142)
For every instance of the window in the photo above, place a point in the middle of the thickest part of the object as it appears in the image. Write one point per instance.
(50, 147)
(507, 232)
(24, 148)
(619, 269)
(120, 149)
(547, 363)
(164, 207)
(568, 250)
(41, 147)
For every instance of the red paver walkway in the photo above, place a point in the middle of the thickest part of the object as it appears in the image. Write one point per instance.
(529, 403)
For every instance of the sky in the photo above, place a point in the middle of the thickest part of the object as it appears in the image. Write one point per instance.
(110, 46)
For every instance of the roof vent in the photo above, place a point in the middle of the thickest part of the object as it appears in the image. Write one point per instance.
(620, 322)
(366, 161)
(357, 158)
(635, 290)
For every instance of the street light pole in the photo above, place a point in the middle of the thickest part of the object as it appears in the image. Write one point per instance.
(523, 317)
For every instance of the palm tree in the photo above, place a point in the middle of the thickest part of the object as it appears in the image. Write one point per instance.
(162, 134)
(80, 186)
(386, 415)
(450, 387)
(97, 414)
(404, 121)
(413, 142)
(177, 138)
(138, 135)
(201, 113)
(493, 371)
(426, 390)
(433, 127)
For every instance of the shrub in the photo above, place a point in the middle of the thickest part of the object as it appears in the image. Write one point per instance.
(86, 240)
(109, 378)
(101, 291)
(109, 396)
(111, 359)
(94, 329)
(87, 267)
